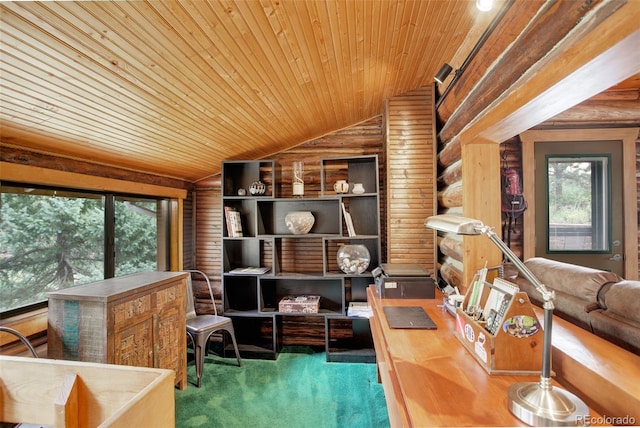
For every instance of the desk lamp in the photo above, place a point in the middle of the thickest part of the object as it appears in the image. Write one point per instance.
(535, 403)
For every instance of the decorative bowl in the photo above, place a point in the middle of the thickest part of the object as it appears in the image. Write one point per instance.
(257, 188)
(299, 222)
(353, 258)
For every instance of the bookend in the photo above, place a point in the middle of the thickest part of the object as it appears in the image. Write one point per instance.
(510, 342)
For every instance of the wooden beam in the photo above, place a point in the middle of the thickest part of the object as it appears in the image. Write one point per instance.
(597, 114)
(52, 177)
(31, 158)
(481, 196)
(514, 21)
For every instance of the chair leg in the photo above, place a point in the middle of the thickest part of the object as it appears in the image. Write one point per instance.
(199, 350)
(235, 344)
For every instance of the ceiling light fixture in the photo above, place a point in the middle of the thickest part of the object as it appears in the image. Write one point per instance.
(484, 5)
(442, 74)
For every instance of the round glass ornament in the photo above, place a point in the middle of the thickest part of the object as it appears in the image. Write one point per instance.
(353, 258)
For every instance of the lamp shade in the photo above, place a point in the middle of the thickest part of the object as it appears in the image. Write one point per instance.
(454, 224)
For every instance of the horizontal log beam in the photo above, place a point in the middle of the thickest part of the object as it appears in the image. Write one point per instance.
(451, 196)
(451, 174)
(514, 21)
(599, 113)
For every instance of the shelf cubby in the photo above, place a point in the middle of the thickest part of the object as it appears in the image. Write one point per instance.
(257, 336)
(241, 295)
(330, 290)
(241, 174)
(356, 169)
(245, 252)
(272, 215)
(349, 339)
(332, 245)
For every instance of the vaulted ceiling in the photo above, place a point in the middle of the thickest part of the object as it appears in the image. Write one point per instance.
(173, 88)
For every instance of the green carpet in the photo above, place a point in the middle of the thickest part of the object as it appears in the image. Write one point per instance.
(299, 389)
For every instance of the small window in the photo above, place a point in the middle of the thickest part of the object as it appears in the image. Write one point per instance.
(578, 193)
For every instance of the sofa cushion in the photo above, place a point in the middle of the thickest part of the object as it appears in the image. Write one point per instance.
(579, 281)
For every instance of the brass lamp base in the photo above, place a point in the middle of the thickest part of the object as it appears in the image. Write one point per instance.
(541, 404)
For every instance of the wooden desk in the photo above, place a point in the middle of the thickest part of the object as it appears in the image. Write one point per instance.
(133, 320)
(430, 379)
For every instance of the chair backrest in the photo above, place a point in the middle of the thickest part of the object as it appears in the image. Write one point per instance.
(191, 307)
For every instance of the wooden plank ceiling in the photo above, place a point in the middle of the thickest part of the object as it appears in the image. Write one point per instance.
(173, 88)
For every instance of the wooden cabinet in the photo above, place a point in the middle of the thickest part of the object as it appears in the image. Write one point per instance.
(134, 320)
(303, 264)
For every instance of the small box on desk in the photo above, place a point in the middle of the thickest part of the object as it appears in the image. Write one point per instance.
(404, 281)
(299, 304)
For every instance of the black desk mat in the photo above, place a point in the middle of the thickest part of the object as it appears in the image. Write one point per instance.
(408, 317)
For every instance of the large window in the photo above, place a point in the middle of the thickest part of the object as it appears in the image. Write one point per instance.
(579, 204)
(56, 238)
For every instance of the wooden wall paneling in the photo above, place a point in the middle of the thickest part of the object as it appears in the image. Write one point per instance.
(411, 178)
(189, 230)
(209, 231)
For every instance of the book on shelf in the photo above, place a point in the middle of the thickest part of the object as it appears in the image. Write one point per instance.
(234, 222)
(250, 270)
(348, 221)
(359, 310)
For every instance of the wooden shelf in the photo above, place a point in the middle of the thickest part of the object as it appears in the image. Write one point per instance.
(299, 264)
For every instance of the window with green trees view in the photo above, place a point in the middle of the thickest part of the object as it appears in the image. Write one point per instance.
(579, 203)
(55, 238)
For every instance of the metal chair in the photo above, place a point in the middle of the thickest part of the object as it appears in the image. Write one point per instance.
(201, 327)
(22, 338)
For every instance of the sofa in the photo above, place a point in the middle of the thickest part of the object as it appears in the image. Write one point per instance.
(598, 301)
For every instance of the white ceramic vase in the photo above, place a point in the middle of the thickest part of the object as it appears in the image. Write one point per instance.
(299, 222)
